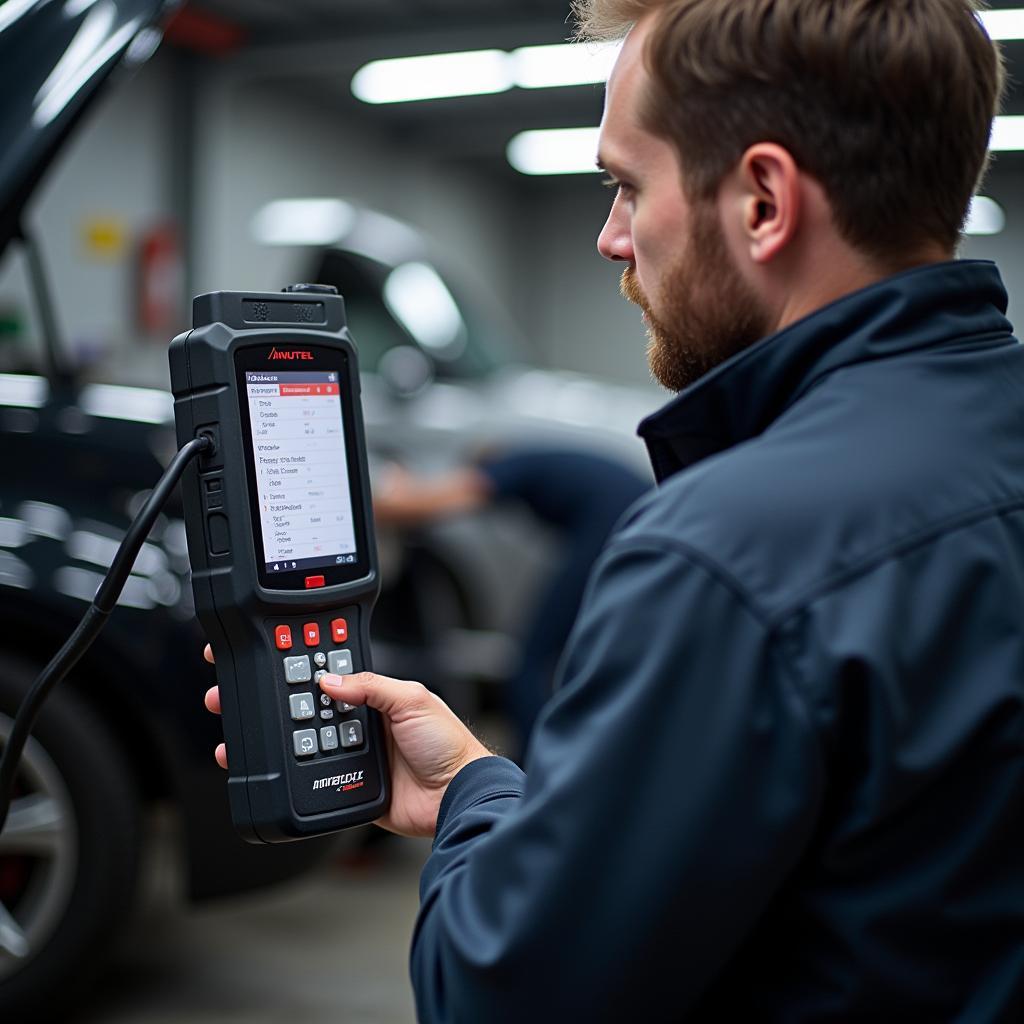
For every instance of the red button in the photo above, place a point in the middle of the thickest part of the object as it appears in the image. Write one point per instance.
(311, 634)
(314, 581)
(283, 637)
(339, 630)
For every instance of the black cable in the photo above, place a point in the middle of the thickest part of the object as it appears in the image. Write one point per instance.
(94, 620)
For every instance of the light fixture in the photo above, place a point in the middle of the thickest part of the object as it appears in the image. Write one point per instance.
(555, 151)
(302, 221)
(433, 76)
(550, 67)
(1008, 134)
(483, 72)
(985, 217)
(1003, 25)
(24, 390)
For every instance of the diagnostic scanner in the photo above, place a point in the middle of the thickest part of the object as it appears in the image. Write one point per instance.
(284, 565)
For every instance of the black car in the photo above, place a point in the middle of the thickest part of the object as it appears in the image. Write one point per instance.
(126, 732)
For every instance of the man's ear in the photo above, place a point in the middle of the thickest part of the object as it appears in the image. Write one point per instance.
(769, 183)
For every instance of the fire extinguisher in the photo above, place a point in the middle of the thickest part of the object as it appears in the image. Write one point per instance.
(161, 280)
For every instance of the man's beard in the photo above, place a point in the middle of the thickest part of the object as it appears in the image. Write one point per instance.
(707, 312)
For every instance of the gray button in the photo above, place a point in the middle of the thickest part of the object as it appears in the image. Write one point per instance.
(319, 659)
(343, 707)
(325, 700)
(304, 742)
(327, 715)
(303, 706)
(318, 675)
(329, 738)
(296, 670)
(351, 733)
(340, 662)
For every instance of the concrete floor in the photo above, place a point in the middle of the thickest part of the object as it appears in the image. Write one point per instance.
(332, 947)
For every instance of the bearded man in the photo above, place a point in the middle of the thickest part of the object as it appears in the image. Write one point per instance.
(783, 779)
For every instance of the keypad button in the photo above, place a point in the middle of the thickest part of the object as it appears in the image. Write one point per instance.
(304, 742)
(339, 630)
(325, 700)
(327, 714)
(318, 675)
(319, 659)
(340, 662)
(343, 707)
(312, 582)
(351, 733)
(297, 670)
(303, 706)
(283, 637)
(311, 634)
(329, 738)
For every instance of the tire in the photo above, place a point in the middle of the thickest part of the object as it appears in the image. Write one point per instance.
(68, 874)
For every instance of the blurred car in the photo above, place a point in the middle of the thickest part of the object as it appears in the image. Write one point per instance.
(126, 732)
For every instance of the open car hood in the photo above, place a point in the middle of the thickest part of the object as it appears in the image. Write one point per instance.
(55, 55)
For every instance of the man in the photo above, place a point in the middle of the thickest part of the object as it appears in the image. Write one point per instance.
(784, 777)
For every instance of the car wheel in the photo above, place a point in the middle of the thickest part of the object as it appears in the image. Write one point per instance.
(68, 853)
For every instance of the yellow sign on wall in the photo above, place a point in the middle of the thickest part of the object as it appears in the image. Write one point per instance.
(104, 238)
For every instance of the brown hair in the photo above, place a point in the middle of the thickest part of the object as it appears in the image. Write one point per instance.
(887, 103)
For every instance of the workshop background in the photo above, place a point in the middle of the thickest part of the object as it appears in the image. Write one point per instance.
(260, 145)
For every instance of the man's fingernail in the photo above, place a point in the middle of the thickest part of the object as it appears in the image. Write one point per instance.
(331, 680)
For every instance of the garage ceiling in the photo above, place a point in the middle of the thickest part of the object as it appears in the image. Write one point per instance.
(315, 46)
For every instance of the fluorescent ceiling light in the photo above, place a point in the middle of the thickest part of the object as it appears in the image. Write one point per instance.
(985, 217)
(1004, 24)
(484, 72)
(1007, 134)
(302, 222)
(555, 151)
(547, 67)
(433, 76)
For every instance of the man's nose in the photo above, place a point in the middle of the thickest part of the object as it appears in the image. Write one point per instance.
(615, 242)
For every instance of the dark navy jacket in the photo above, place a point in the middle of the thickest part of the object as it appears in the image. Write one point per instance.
(784, 778)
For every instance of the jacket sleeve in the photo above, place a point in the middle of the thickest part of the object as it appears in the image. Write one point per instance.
(675, 781)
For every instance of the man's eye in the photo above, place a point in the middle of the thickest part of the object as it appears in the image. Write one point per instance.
(622, 187)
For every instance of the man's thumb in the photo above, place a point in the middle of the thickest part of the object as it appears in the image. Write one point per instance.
(391, 697)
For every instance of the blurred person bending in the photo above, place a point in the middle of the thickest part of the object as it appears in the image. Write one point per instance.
(783, 779)
(580, 495)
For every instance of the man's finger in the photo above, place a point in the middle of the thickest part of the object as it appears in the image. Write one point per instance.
(391, 697)
(208, 653)
(212, 699)
(221, 754)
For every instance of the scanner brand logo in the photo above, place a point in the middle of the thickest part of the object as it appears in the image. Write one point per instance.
(353, 780)
(292, 353)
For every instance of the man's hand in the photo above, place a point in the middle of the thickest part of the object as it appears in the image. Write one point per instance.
(427, 744)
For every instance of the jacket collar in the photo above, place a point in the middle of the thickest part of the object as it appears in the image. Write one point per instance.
(919, 309)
